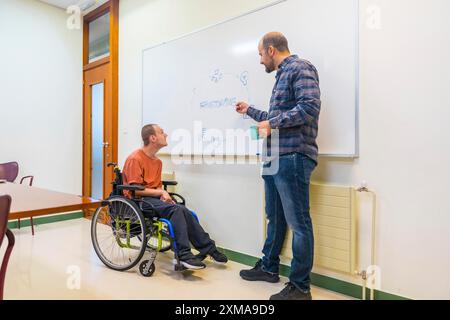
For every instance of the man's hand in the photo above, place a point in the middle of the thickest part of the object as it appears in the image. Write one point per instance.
(264, 129)
(242, 107)
(165, 196)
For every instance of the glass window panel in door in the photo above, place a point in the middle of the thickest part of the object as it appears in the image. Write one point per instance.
(97, 101)
(99, 38)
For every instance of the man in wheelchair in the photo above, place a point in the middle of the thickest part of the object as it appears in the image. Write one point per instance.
(143, 168)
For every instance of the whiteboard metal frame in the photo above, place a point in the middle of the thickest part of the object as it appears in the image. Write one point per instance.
(357, 22)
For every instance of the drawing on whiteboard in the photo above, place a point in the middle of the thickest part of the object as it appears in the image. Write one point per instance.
(216, 76)
(244, 78)
(210, 136)
(222, 91)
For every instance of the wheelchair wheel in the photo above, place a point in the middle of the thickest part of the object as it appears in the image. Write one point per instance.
(143, 268)
(115, 232)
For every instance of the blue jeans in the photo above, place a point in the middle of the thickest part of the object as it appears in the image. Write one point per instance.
(287, 203)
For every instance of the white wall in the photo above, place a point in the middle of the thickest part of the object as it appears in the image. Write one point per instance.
(41, 94)
(404, 143)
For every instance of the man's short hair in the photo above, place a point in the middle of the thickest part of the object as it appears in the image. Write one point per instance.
(276, 40)
(147, 131)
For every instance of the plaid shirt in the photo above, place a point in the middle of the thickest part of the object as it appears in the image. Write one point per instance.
(294, 107)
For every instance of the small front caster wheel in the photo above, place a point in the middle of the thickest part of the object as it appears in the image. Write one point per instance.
(145, 269)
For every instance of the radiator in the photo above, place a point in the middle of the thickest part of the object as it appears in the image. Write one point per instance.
(333, 212)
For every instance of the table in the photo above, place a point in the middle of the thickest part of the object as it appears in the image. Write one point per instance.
(31, 201)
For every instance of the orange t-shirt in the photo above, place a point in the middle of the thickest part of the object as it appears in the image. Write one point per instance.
(143, 170)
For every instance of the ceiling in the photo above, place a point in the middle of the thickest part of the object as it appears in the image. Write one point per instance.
(61, 3)
(84, 4)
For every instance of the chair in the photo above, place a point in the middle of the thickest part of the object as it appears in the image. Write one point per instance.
(5, 204)
(9, 171)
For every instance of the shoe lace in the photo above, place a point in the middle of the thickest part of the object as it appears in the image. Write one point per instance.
(288, 287)
(258, 265)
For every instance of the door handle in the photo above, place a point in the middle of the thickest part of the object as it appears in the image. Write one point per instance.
(105, 144)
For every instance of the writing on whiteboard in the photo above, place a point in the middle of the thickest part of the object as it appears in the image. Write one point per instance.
(211, 136)
(225, 102)
(214, 93)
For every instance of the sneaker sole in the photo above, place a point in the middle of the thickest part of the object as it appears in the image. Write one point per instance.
(265, 280)
(191, 267)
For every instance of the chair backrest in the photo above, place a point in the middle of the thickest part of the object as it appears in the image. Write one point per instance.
(9, 171)
(5, 205)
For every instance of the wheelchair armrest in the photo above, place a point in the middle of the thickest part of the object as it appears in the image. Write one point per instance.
(180, 199)
(130, 187)
(169, 183)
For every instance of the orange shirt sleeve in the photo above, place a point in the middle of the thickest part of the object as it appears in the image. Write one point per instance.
(133, 172)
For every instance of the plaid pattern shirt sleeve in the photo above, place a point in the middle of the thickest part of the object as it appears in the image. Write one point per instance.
(257, 115)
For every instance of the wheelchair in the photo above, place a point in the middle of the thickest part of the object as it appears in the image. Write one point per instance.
(123, 229)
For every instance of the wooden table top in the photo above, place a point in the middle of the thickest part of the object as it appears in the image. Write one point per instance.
(31, 201)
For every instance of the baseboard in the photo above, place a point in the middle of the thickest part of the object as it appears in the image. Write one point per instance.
(318, 280)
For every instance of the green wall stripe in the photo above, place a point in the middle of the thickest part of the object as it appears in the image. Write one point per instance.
(25, 222)
(318, 280)
(380, 295)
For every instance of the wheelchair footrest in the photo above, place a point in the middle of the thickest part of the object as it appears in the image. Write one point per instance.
(178, 266)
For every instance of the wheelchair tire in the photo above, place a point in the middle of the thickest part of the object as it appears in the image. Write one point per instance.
(115, 229)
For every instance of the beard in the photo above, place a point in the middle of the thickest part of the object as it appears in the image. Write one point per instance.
(270, 67)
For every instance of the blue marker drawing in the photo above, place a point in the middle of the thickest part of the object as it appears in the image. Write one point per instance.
(219, 103)
(216, 76)
(244, 78)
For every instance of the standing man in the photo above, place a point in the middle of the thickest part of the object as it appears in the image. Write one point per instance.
(294, 112)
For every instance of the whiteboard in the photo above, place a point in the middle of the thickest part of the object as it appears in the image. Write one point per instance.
(190, 84)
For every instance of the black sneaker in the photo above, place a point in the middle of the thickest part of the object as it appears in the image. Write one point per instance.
(257, 274)
(193, 263)
(216, 255)
(291, 292)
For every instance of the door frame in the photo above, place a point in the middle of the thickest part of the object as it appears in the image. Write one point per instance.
(110, 88)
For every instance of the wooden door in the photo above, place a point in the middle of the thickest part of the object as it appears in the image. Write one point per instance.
(100, 95)
(98, 137)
